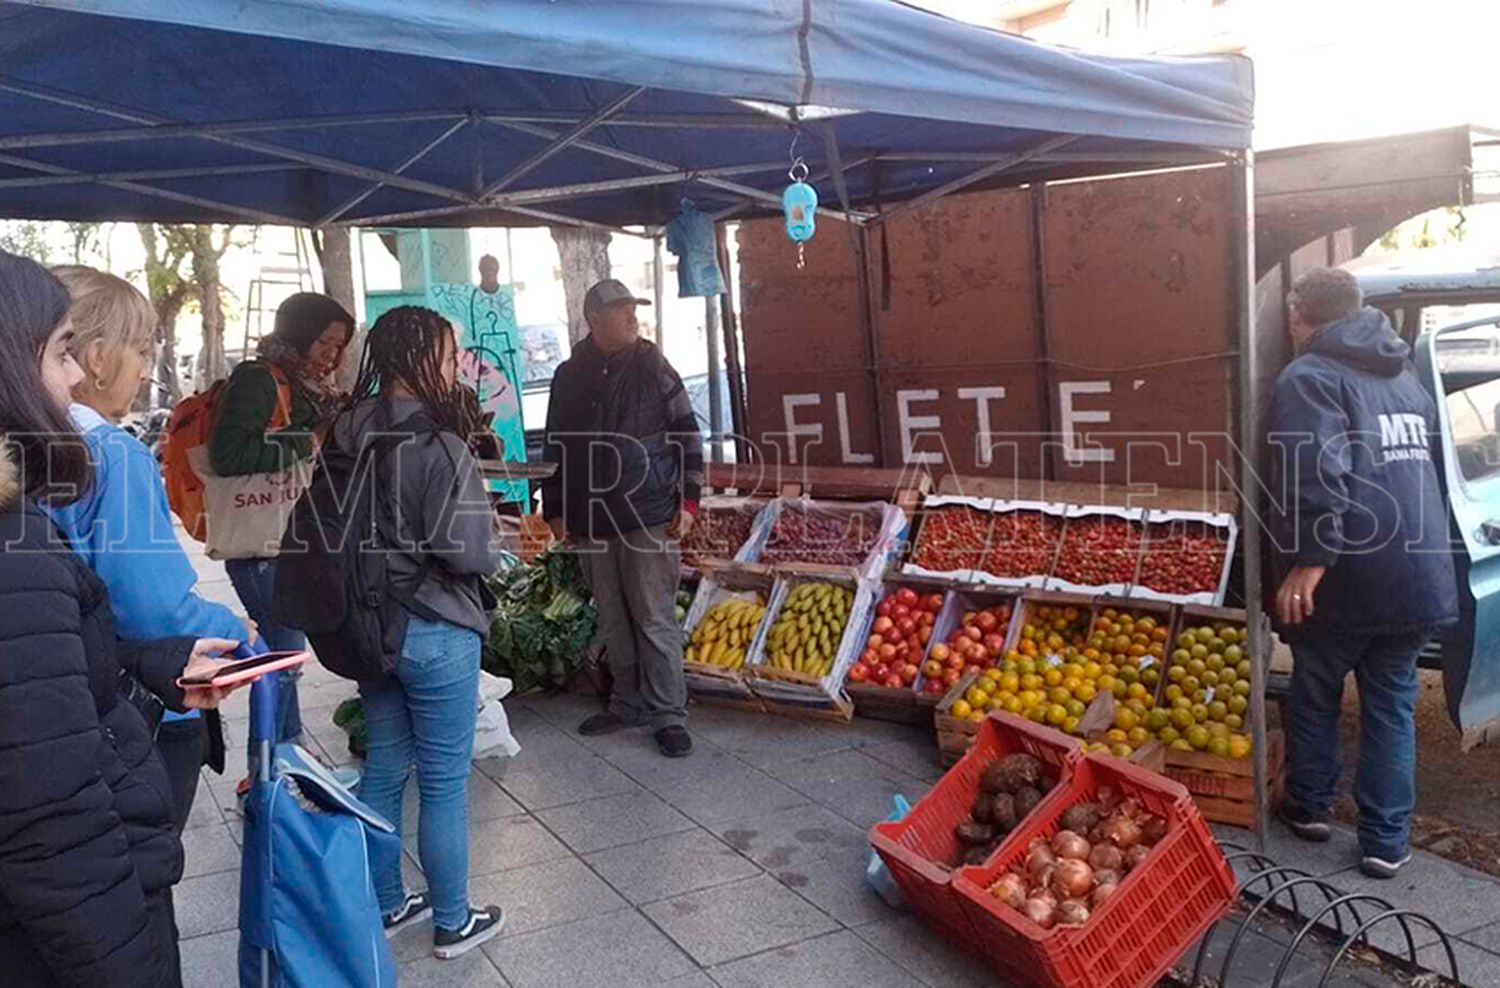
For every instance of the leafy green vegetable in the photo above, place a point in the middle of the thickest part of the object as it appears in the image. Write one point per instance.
(350, 716)
(543, 623)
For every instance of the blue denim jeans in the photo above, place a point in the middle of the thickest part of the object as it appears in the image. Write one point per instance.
(1385, 784)
(423, 715)
(255, 580)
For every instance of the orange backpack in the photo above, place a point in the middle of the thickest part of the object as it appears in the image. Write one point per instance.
(191, 425)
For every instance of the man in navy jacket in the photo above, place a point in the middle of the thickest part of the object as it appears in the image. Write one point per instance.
(1366, 561)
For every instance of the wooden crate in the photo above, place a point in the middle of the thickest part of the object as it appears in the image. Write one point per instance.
(711, 683)
(800, 694)
(1224, 788)
(840, 710)
(903, 706)
(955, 735)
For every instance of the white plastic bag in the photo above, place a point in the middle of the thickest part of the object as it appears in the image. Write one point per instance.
(492, 737)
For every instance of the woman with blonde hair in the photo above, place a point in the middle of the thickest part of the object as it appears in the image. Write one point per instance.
(122, 526)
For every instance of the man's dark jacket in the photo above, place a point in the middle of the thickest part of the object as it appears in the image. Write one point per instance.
(87, 851)
(1352, 438)
(622, 431)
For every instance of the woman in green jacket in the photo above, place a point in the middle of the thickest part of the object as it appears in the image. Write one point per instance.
(270, 417)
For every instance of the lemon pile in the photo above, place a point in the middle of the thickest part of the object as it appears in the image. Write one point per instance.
(1207, 694)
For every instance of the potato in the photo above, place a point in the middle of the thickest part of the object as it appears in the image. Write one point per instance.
(1003, 812)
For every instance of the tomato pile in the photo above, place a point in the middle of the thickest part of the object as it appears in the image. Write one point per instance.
(952, 538)
(1098, 550)
(820, 536)
(974, 646)
(717, 533)
(1183, 558)
(898, 640)
(1022, 544)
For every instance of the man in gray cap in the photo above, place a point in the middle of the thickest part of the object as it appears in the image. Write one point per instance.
(621, 429)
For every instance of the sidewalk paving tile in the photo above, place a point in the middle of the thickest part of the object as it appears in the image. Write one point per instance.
(563, 781)
(746, 738)
(920, 761)
(547, 894)
(695, 980)
(472, 970)
(207, 850)
(205, 811)
(1333, 857)
(617, 950)
(211, 961)
(666, 866)
(207, 904)
(837, 959)
(739, 791)
(1476, 968)
(487, 801)
(921, 952)
(1484, 937)
(1453, 896)
(613, 821)
(722, 924)
(499, 845)
(851, 783)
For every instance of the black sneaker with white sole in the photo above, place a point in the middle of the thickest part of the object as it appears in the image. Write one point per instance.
(416, 908)
(1384, 868)
(1308, 826)
(482, 924)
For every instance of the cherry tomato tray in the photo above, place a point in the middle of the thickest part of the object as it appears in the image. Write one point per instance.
(952, 535)
(1024, 540)
(1161, 909)
(1100, 550)
(1186, 557)
(917, 848)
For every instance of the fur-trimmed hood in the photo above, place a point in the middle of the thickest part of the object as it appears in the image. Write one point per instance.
(10, 477)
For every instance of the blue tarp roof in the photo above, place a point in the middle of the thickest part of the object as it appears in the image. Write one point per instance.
(309, 111)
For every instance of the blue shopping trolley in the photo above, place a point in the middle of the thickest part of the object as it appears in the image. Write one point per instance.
(308, 912)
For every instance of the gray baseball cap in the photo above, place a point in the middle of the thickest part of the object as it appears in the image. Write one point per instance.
(607, 293)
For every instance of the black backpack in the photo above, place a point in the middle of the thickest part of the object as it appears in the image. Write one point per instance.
(332, 576)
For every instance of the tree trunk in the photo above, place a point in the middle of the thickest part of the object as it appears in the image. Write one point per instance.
(212, 364)
(167, 311)
(337, 259)
(584, 254)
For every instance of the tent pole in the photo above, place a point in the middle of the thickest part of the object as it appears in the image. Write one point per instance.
(1151, 159)
(572, 136)
(988, 171)
(83, 178)
(401, 168)
(715, 369)
(657, 292)
(641, 161)
(257, 215)
(731, 326)
(1242, 259)
(635, 182)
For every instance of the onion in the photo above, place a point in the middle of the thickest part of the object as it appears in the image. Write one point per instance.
(1107, 857)
(1135, 856)
(1153, 831)
(1069, 845)
(1108, 876)
(1122, 832)
(1011, 890)
(1041, 912)
(1045, 894)
(1102, 893)
(1073, 879)
(1038, 860)
(1073, 912)
(1107, 798)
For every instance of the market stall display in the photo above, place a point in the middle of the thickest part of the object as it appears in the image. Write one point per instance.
(858, 537)
(1186, 557)
(1100, 550)
(721, 628)
(543, 622)
(918, 600)
(953, 533)
(1173, 883)
(722, 529)
(1203, 716)
(1023, 544)
(923, 848)
(815, 629)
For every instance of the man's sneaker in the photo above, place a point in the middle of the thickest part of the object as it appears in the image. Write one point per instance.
(1382, 867)
(414, 910)
(482, 924)
(1308, 826)
(674, 741)
(605, 723)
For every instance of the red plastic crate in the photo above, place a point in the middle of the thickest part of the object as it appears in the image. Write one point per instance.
(918, 849)
(1158, 912)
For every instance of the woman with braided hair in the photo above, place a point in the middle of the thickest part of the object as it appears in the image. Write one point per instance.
(422, 714)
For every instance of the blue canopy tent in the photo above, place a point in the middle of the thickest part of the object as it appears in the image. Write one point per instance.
(375, 112)
(600, 113)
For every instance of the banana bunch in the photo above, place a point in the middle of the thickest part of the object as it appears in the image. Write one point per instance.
(807, 633)
(724, 635)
